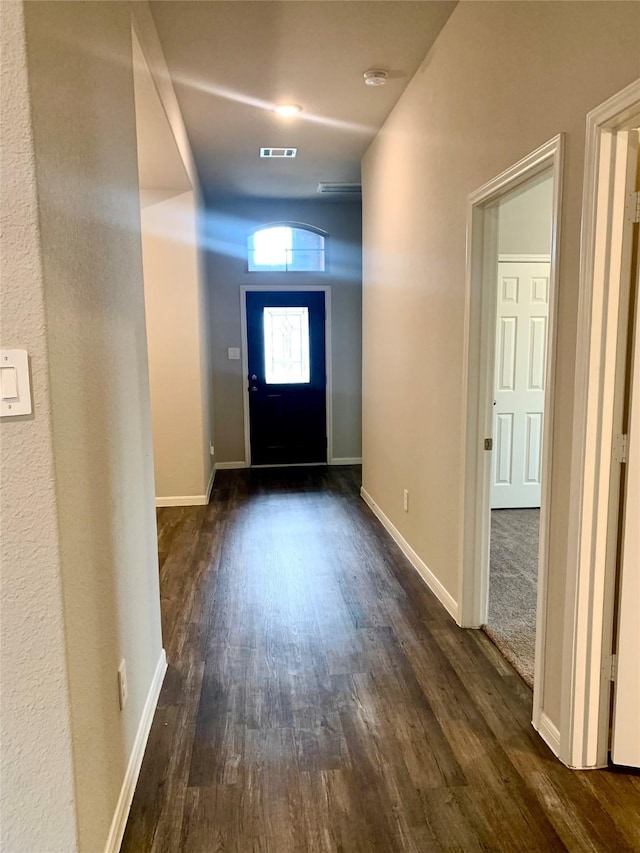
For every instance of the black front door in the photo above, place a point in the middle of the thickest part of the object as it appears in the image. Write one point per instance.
(287, 376)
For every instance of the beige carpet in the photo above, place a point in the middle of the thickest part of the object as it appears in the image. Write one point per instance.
(513, 586)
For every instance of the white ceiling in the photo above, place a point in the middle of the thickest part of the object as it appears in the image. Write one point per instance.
(231, 61)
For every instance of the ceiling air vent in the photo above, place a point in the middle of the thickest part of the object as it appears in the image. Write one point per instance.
(336, 188)
(289, 153)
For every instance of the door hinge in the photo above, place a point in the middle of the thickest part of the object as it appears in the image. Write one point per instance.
(614, 668)
(488, 444)
(620, 444)
(633, 207)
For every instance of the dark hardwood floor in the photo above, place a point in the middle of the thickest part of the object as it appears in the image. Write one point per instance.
(318, 698)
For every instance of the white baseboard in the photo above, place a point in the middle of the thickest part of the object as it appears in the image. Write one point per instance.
(443, 596)
(292, 465)
(212, 477)
(190, 500)
(183, 500)
(549, 733)
(346, 460)
(230, 466)
(121, 814)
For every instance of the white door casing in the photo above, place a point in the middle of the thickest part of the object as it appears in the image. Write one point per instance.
(610, 163)
(520, 367)
(625, 742)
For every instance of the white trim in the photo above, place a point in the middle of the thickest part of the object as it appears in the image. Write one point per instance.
(549, 733)
(477, 394)
(346, 460)
(211, 479)
(230, 466)
(268, 288)
(443, 596)
(589, 601)
(524, 259)
(182, 500)
(121, 814)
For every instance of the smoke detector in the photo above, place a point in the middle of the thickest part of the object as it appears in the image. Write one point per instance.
(375, 77)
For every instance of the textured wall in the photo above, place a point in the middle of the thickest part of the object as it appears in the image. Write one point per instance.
(226, 232)
(501, 79)
(37, 794)
(80, 73)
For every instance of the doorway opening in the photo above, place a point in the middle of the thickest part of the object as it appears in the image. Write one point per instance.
(510, 339)
(520, 356)
(286, 346)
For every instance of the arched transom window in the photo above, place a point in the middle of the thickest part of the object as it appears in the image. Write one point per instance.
(286, 247)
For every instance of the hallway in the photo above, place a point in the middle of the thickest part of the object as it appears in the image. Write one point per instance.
(318, 698)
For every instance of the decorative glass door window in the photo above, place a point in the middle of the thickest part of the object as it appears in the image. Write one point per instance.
(286, 346)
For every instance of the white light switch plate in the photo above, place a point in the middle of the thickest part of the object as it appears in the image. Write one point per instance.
(15, 388)
(234, 353)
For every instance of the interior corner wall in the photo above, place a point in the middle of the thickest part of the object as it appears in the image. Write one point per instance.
(37, 796)
(501, 79)
(81, 85)
(206, 341)
(227, 225)
(174, 306)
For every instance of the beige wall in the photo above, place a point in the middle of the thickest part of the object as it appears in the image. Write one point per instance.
(175, 285)
(227, 227)
(37, 791)
(524, 219)
(501, 79)
(80, 74)
(172, 285)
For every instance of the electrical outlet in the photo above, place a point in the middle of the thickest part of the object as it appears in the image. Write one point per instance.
(211, 450)
(405, 500)
(123, 689)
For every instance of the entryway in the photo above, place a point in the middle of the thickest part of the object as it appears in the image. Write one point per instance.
(287, 365)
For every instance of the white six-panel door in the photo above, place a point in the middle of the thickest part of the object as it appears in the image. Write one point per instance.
(520, 363)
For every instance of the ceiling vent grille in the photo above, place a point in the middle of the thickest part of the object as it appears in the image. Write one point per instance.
(337, 188)
(288, 153)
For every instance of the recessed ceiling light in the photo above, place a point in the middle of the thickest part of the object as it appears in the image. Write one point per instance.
(287, 110)
(375, 77)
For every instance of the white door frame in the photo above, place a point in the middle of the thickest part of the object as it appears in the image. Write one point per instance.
(589, 603)
(268, 288)
(478, 384)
